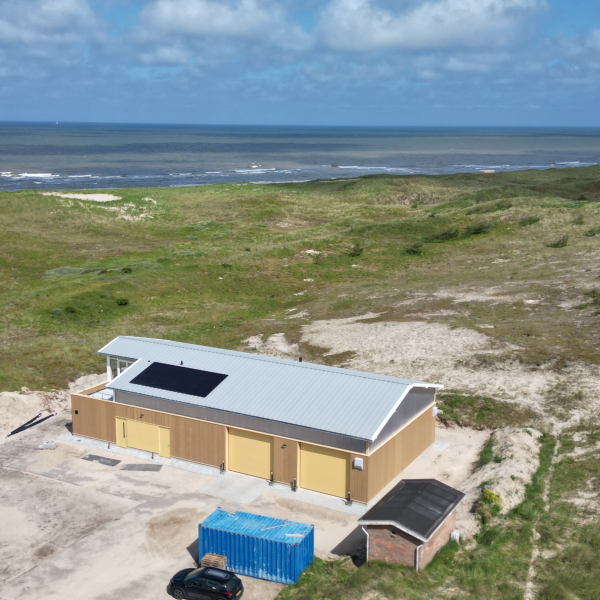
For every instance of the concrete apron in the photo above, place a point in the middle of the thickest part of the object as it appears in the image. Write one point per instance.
(236, 487)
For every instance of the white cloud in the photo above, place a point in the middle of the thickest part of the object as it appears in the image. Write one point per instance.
(166, 56)
(359, 25)
(39, 23)
(247, 19)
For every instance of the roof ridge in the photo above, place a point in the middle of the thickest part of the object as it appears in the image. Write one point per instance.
(288, 362)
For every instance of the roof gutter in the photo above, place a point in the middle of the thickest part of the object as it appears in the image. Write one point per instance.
(396, 525)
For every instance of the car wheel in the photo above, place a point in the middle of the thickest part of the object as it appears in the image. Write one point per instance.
(178, 593)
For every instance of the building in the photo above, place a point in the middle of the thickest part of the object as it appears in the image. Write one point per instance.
(336, 431)
(412, 522)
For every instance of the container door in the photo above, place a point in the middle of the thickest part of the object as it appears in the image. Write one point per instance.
(250, 453)
(164, 442)
(121, 432)
(324, 470)
(144, 436)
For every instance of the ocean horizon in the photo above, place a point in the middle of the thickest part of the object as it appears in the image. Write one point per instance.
(76, 156)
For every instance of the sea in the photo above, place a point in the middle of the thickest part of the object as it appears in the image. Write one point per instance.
(90, 156)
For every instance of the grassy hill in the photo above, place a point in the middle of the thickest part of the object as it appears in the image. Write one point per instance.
(513, 256)
(213, 264)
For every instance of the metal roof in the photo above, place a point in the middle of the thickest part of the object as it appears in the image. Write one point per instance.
(259, 526)
(342, 401)
(416, 506)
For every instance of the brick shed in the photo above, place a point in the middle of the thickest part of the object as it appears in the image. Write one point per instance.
(412, 522)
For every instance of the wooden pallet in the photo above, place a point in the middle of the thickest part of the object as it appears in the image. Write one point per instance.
(214, 560)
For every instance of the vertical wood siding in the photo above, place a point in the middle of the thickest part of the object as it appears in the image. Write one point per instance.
(389, 460)
(193, 440)
(359, 480)
(93, 418)
(285, 460)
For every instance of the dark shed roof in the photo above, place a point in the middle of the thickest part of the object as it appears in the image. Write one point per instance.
(417, 506)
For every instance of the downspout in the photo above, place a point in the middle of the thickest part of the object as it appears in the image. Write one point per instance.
(367, 534)
(417, 557)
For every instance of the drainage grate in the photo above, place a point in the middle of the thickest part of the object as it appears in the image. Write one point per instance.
(109, 462)
(141, 467)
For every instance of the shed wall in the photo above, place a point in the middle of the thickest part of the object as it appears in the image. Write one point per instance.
(391, 545)
(437, 541)
(276, 428)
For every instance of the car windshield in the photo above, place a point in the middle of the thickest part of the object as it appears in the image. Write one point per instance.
(193, 574)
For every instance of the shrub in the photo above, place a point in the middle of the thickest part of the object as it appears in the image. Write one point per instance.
(486, 208)
(487, 453)
(444, 236)
(71, 310)
(593, 231)
(356, 250)
(528, 220)
(560, 242)
(477, 229)
(414, 250)
(122, 302)
(127, 270)
(582, 198)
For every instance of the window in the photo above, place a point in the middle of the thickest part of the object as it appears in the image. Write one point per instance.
(211, 585)
(113, 367)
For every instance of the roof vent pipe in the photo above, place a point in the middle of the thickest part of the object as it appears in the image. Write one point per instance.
(299, 359)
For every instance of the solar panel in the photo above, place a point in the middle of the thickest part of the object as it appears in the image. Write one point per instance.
(184, 380)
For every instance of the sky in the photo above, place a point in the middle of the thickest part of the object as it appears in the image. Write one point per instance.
(302, 62)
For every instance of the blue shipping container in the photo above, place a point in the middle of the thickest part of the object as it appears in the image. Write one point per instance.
(258, 546)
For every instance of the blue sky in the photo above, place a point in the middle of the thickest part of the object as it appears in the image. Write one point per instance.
(294, 62)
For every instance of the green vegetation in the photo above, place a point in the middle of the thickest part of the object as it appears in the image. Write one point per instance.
(496, 568)
(215, 264)
(570, 529)
(561, 242)
(529, 220)
(481, 411)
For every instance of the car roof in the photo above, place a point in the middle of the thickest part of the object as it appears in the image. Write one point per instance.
(216, 574)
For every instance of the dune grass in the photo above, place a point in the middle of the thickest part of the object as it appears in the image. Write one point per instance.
(495, 567)
(215, 264)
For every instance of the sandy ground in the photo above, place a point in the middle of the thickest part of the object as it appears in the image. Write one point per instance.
(18, 407)
(92, 197)
(438, 353)
(88, 530)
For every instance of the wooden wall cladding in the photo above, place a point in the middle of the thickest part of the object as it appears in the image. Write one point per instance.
(285, 460)
(93, 418)
(359, 480)
(388, 461)
(191, 439)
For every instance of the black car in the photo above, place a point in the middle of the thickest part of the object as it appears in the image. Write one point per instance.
(206, 583)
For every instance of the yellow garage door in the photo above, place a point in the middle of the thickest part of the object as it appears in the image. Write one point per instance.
(324, 470)
(250, 453)
(143, 436)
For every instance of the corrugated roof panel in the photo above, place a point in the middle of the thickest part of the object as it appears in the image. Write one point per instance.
(342, 401)
(259, 526)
